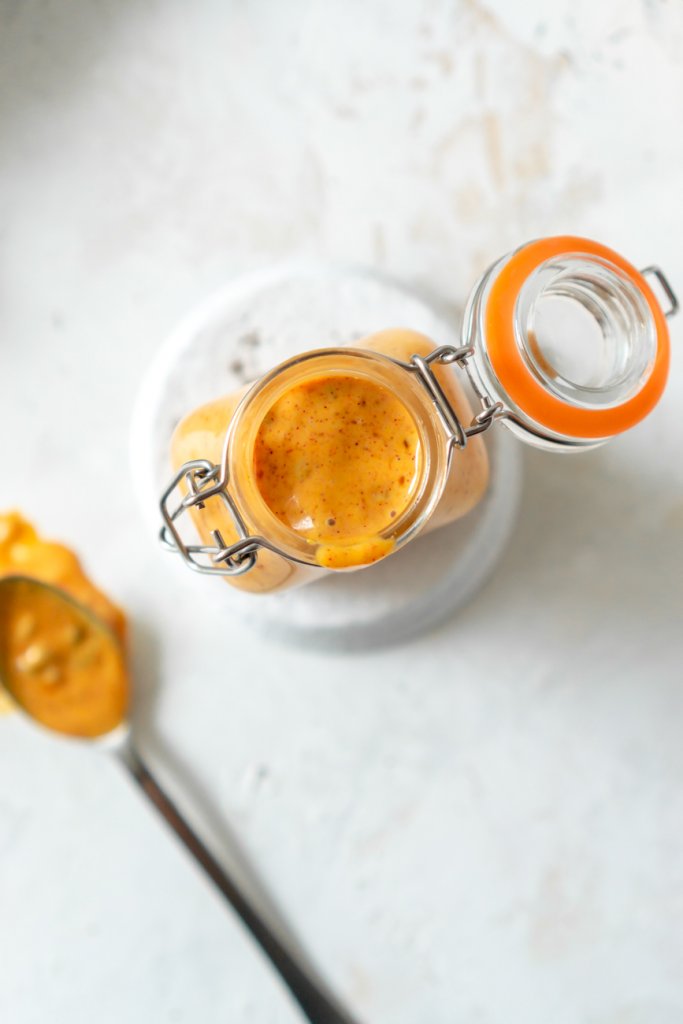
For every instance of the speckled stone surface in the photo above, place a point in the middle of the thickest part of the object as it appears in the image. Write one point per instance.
(484, 824)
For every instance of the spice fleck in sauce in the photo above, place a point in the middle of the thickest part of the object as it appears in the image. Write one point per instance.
(337, 459)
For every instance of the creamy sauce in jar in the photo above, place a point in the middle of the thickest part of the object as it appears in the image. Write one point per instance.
(337, 460)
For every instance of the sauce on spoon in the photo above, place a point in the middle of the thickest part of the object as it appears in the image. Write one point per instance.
(62, 655)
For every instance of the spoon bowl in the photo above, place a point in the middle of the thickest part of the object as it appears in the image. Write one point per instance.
(61, 664)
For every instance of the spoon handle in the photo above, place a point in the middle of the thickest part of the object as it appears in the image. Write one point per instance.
(318, 1007)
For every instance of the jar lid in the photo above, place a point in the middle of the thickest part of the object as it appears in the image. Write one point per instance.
(575, 337)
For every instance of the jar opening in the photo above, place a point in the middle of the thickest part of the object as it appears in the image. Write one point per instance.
(585, 331)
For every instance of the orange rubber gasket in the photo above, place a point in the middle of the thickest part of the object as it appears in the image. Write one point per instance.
(515, 376)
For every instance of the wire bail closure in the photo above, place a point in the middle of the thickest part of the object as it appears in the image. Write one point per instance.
(659, 274)
(205, 480)
(456, 433)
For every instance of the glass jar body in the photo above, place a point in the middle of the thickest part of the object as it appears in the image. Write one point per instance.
(224, 432)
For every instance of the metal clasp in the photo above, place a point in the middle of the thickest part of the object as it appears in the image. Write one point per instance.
(204, 480)
(666, 288)
(457, 434)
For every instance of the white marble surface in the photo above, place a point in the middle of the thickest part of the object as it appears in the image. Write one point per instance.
(486, 824)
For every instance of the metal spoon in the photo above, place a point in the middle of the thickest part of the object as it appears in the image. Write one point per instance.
(317, 1003)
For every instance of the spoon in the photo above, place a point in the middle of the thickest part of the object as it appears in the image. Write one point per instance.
(36, 684)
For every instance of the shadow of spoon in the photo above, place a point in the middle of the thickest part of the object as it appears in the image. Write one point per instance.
(19, 677)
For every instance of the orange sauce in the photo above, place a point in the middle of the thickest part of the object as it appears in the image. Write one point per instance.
(337, 459)
(24, 553)
(62, 661)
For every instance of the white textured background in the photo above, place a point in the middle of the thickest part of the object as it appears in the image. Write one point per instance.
(487, 825)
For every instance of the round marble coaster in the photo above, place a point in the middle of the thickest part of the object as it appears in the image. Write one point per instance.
(241, 332)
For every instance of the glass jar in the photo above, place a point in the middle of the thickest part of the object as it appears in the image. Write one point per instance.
(219, 441)
(563, 341)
